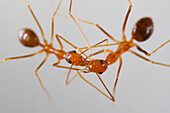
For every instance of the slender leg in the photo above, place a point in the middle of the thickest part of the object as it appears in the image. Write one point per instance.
(105, 87)
(105, 40)
(95, 87)
(98, 52)
(100, 46)
(70, 68)
(57, 62)
(141, 50)
(125, 21)
(19, 57)
(52, 32)
(78, 26)
(48, 94)
(67, 82)
(61, 45)
(158, 48)
(64, 67)
(42, 33)
(153, 62)
(58, 36)
(117, 77)
(97, 25)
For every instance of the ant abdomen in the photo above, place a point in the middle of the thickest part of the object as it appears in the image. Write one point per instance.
(143, 29)
(28, 38)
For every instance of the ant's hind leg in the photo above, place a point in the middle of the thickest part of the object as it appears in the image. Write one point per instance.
(125, 20)
(48, 94)
(117, 77)
(149, 54)
(19, 57)
(153, 62)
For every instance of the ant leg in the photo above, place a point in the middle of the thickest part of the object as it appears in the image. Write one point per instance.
(70, 68)
(149, 60)
(149, 54)
(95, 87)
(105, 87)
(78, 26)
(125, 21)
(57, 62)
(100, 46)
(19, 57)
(98, 52)
(58, 36)
(64, 67)
(42, 33)
(48, 94)
(97, 25)
(117, 77)
(52, 32)
(105, 40)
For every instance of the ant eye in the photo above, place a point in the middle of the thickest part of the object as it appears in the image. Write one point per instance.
(69, 61)
(100, 73)
(101, 62)
(74, 51)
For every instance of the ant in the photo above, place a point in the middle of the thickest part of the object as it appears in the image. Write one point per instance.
(29, 38)
(141, 31)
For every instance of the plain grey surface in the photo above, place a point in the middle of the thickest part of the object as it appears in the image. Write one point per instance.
(142, 87)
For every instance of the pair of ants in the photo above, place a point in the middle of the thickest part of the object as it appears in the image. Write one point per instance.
(141, 31)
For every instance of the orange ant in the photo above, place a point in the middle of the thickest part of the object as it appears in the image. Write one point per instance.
(29, 39)
(141, 31)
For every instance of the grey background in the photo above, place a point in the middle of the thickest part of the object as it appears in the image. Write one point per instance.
(142, 87)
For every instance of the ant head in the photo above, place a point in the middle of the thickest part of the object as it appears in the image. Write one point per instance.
(28, 38)
(143, 29)
(74, 57)
(98, 66)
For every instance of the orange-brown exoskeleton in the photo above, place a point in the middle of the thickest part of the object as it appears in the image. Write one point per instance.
(141, 31)
(29, 39)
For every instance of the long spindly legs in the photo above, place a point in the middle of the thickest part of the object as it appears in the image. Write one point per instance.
(97, 25)
(153, 62)
(58, 36)
(79, 26)
(111, 98)
(42, 33)
(70, 68)
(52, 29)
(117, 76)
(149, 54)
(19, 57)
(105, 87)
(125, 21)
(48, 94)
